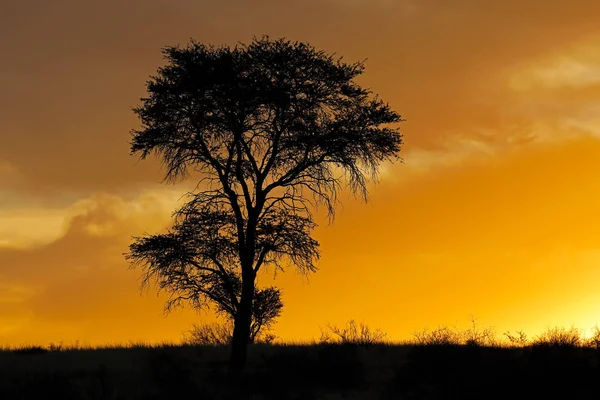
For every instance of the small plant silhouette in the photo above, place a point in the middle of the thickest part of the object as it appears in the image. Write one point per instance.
(220, 334)
(60, 346)
(560, 337)
(215, 334)
(474, 336)
(518, 339)
(445, 336)
(441, 336)
(352, 333)
(594, 339)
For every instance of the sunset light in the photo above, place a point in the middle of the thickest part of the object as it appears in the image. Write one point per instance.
(492, 212)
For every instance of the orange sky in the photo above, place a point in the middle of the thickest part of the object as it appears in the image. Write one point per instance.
(495, 212)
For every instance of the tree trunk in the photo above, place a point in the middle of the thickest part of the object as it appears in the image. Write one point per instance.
(241, 327)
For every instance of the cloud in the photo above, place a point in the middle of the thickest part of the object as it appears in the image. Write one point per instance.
(99, 215)
(575, 67)
(558, 93)
(453, 154)
(75, 283)
(23, 228)
(547, 99)
(586, 119)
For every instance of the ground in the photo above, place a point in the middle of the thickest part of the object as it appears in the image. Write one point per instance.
(318, 371)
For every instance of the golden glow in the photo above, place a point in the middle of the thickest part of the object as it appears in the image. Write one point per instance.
(494, 212)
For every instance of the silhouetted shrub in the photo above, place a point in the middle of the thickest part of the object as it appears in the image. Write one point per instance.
(60, 346)
(474, 336)
(594, 340)
(442, 336)
(519, 339)
(559, 337)
(445, 336)
(215, 334)
(220, 334)
(352, 333)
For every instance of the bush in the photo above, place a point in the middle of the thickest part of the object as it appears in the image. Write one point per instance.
(594, 339)
(442, 336)
(560, 337)
(219, 334)
(353, 333)
(215, 334)
(519, 339)
(474, 336)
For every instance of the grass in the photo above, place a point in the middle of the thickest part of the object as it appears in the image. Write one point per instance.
(439, 364)
(157, 372)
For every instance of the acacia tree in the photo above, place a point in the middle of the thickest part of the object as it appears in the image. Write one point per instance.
(273, 129)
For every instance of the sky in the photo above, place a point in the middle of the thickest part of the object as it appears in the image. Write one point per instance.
(493, 213)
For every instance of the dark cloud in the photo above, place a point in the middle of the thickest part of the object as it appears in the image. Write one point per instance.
(75, 69)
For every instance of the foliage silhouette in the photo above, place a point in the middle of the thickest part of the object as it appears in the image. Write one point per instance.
(559, 337)
(594, 339)
(220, 334)
(214, 334)
(173, 260)
(274, 128)
(446, 336)
(518, 339)
(352, 333)
(474, 336)
(441, 336)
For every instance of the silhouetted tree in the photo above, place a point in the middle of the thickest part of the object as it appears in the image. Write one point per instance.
(274, 128)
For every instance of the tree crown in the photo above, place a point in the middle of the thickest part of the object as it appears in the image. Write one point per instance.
(272, 117)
